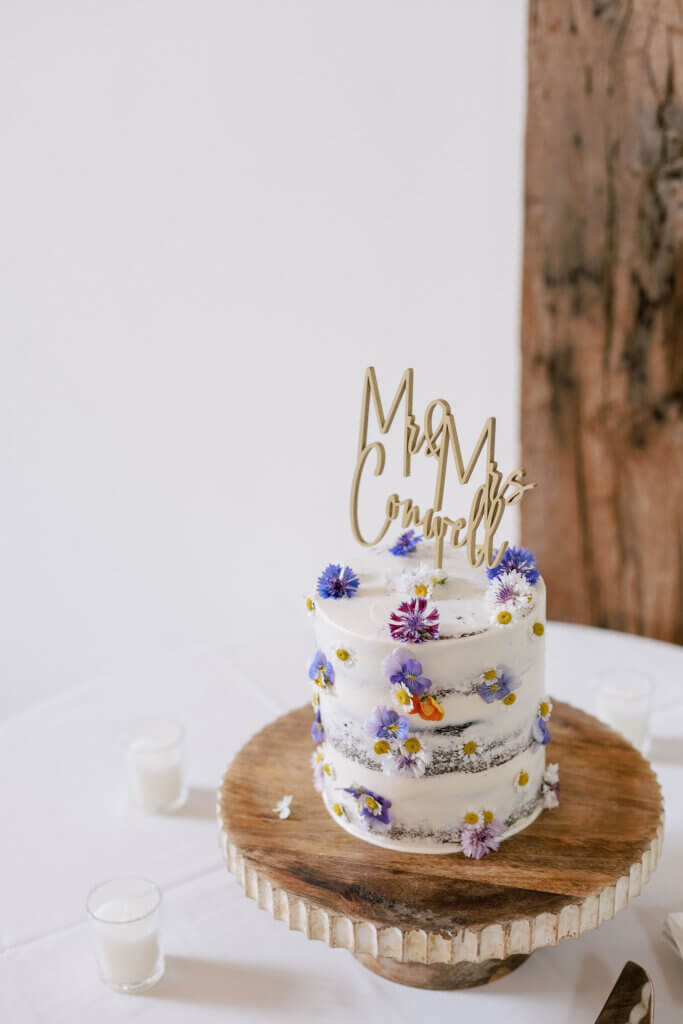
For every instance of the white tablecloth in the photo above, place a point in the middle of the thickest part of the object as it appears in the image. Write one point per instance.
(67, 826)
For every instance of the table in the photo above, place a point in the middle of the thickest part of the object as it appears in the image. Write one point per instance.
(67, 826)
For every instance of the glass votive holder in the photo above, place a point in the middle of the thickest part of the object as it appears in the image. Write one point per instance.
(155, 755)
(125, 917)
(623, 699)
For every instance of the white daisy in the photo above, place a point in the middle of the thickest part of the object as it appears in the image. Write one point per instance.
(340, 811)
(380, 747)
(401, 697)
(409, 758)
(283, 808)
(536, 630)
(310, 604)
(344, 656)
(471, 749)
(509, 596)
(545, 709)
(321, 766)
(418, 581)
(521, 781)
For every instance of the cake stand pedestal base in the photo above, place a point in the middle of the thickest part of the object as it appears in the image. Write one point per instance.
(441, 976)
(442, 921)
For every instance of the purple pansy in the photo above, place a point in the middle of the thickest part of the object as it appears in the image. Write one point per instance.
(373, 808)
(406, 543)
(321, 671)
(521, 560)
(413, 624)
(540, 731)
(497, 688)
(478, 840)
(317, 729)
(406, 672)
(337, 582)
(387, 724)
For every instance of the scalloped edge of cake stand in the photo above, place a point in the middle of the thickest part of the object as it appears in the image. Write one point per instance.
(422, 959)
(462, 958)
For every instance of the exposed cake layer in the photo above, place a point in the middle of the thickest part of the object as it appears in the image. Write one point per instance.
(424, 739)
(428, 811)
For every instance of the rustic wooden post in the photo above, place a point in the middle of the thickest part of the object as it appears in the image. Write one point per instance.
(602, 321)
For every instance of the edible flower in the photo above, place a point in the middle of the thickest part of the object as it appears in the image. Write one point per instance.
(337, 582)
(317, 729)
(386, 724)
(540, 731)
(372, 808)
(428, 708)
(407, 672)
(509, 595)
(550, 787)
(471, 750)
(418, 581)
(520, 560)
(410, 758)
(496, 685)
(483, 837)
(413, 624)
(283, 807)
(321, 671)
(406, 543)
(345, 656)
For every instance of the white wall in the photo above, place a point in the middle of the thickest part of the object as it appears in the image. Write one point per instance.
(214, 216)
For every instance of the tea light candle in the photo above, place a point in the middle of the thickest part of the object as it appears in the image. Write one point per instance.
(124, 917)
(624, 700)
(156, 769)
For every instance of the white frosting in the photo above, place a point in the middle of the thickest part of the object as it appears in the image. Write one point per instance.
(428, 812)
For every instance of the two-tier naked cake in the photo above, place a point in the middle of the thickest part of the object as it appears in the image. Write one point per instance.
(431, 718)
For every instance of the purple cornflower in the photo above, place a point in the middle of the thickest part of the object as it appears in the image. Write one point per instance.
(317, 729)
(540, 731)
(498, 687)
(407, 673)
(478, 840)
(321, 671)
(406, 543)
(373, 809)
(337, 582)
(386, 724)
(507, 588)
(411, 625)
(519, 559)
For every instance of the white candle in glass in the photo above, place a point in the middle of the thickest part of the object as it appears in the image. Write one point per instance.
(624, 700)
(125, 917)
(156, 765)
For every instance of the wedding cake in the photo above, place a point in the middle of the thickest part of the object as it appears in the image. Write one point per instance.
(431, 718)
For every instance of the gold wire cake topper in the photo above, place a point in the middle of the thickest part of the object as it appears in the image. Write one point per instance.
(490, 499)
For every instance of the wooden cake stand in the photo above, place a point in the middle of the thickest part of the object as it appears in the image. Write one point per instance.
(443, 921)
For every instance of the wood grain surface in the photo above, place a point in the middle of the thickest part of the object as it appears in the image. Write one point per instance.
(602, 316)
(575, 867)
(631, 999)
